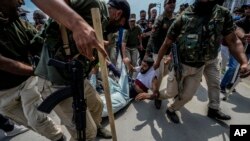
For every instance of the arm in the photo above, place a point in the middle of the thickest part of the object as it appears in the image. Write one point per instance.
(15, 67)
(237, 50)
(83, 34)
(127, 62)
(173, 33)
(124, 43)
(245, 38)
(155, 94)
(164, 47)
(140, 38)
(155, 86)
(124, 50)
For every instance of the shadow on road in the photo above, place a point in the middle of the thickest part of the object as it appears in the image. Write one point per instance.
(194, 127)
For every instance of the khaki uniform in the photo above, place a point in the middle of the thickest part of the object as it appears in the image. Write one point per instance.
(65, 112)
(20, 104)
(19, 95)
(53, 48)
(199, 53)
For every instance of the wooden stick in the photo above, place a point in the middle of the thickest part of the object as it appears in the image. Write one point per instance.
(104, 71)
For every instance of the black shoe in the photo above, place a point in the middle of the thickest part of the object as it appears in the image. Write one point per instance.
(157, 104)
(217, 114)
(104, 133)
(173, 116)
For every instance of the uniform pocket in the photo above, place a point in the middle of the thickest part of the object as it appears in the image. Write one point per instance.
(191, 45)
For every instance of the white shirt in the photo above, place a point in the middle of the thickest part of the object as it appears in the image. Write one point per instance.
(146, 78)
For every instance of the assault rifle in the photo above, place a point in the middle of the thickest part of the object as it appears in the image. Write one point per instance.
(177, 68)
(75, 90)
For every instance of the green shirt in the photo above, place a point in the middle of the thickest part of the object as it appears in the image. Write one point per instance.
(131, 37)
(199, 37)
(17, 42)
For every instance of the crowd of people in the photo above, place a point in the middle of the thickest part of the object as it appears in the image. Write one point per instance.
(145, 46)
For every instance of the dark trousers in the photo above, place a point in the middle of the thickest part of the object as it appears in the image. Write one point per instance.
(5, 124)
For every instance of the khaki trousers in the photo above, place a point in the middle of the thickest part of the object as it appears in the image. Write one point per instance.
(20, 104)
(191, 82)
(65, 112)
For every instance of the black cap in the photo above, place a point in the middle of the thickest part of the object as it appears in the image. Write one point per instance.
(124, 6)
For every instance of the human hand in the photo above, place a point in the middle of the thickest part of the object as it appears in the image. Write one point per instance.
(244, 71)
(142, 96)
(86, 40)
(167, 59)
(126, 60)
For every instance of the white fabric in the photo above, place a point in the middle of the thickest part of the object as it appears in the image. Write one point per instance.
(119, 92)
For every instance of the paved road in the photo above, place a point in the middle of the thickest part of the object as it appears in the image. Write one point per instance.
(140, 121)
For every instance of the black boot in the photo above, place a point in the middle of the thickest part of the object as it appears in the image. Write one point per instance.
(157, 104)
(217, 114)
(173, 116)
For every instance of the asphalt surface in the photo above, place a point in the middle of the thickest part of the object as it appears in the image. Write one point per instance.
(141, 121)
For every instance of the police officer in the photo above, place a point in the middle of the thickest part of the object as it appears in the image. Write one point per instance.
(198, 33)
(19, 95)
(132, 42)
(82, 39)
(159, 32)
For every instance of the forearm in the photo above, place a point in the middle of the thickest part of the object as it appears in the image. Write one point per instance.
(61, 12)
(140, 40)
(239, 52)
(155, 87)
(236, 48)
(163, 49)
(15, 67)
(124, 50)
